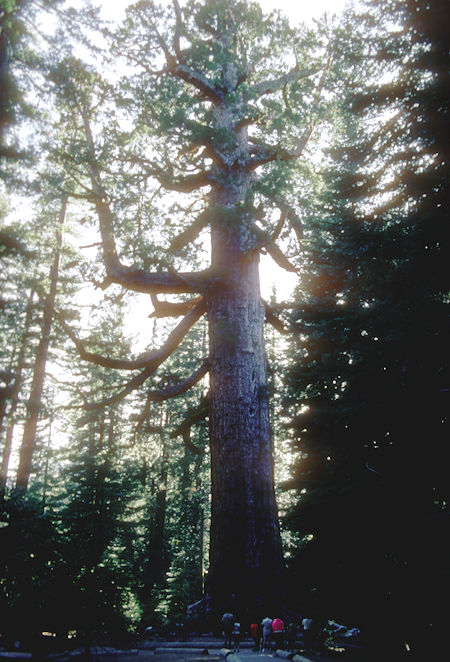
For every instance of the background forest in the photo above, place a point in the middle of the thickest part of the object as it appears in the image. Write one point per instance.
(105, 506)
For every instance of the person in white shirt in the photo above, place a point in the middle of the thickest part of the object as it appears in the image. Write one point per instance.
(266, 642)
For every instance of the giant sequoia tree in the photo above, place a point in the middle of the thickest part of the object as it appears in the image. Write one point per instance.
(217, 108)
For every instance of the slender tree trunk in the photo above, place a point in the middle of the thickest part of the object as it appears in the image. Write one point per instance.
(98, 467)
(157, 569)
(34, 403)
(201, 544)
(6, 395)
(155, 562)
(15, 396)
(2, 414)
(48, 451)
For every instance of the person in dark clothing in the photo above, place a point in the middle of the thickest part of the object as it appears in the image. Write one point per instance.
(236, 637)
(227, 627)
(291, 635)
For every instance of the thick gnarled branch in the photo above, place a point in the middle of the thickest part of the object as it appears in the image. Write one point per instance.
(196, 79)
(268, 242)
(190, 233)
(138, 280)
(176, 66)
(186, 184)
(184, 429)
(150, 361)
(275, 321)
(276, 84)
(172, 308)
(172, 391)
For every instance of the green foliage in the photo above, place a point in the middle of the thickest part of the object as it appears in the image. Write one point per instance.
(115, 528)
(34, 571)
(367, 394)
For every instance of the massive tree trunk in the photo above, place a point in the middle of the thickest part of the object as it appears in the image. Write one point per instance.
(245, 550)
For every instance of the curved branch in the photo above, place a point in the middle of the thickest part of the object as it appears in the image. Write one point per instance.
(178, 31)
(198, 81)
(186, 434)
(291, 215)
(131, 278)
(184, 429)
(278, 228)
(279, 257)
(171, 308)
(271, 86)
(131, 386)
(104, 213)
(180, 69)
(190, 233)
(268, 153)
(181, 387)
(150, 360)
(271, 247)
(274, 320)
(93, 357)
(263, 238)
(160, 395)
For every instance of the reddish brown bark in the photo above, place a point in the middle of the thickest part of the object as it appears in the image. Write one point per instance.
(15, 396)
(245, 549)
(246, 562)
(34, 403)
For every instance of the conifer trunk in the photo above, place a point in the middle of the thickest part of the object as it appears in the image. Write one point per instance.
(34, 403)
(246, 561)
(15, 396)
(158, 555)
(245, 549)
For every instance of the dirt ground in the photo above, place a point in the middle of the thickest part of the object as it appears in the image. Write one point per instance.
(150, 656)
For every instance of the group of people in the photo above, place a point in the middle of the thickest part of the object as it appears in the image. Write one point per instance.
(269, 634)
(231, 631)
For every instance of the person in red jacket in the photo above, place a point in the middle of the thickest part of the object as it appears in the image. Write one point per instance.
(255, 632)
(278, 632)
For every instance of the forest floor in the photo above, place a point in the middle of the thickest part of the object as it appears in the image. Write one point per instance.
(213, 656)
(204, 650)
(211, 653)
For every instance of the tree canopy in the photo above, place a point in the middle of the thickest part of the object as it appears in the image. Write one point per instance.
(159, 160)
